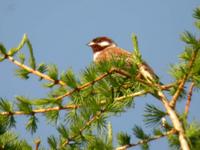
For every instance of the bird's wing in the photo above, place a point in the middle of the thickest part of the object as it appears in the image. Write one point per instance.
(112, 52)
(115, 52)
(147, 72)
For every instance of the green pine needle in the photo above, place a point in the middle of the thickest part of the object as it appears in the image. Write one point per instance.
(153, 115)
(2, 49)
(69, 78)
(189, 38)
(6, 122)
(120, 62)
(193, 134)
(49, 85)
(3, 124)
(63, 131)
(196, 13)
(52, 142)
(5, 105)
(123, 138)
(32, 62)
(104, 66)
(57, 92)
(22, 73)
(21, 57)
(197, 24)
(178, 71)
(72, 116)
(98, 143)
(42, 68)
(52, 116)
(11, 141)
(101, 122)
(139, 133)
(89, 74)
(145, 146)
(136, 53)
(44, 101)
(24, 104)
(2, 59)
(52, 71)
(13, 51)
(32, 124)
(187, 53)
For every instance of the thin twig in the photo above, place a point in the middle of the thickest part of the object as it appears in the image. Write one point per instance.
(88, 84)
(156, 137)
(183, 81)
(139, 93)
(168, 86)
(42, 110)
(87, 124)
(35, 72)
(37, 144)
(189, 97)
(68, 107)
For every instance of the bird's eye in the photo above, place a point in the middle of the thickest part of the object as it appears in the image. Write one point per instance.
(104, 43)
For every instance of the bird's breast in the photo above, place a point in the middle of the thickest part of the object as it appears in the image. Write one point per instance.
(96, 54)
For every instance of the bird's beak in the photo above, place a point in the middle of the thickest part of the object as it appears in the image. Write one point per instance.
(90, 43)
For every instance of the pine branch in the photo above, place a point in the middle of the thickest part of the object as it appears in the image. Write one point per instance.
(189, 97)
(88, 84)
(168, 86)
(173, 115)
(98, 114)
(175, 121)
(156, 137)
(139, 93)
(183, 81)
(136, 53)
(42, 110)
(35, 72)
(68, 107)
(87, 124)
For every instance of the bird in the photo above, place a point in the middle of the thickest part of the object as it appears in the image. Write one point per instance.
(105, 49)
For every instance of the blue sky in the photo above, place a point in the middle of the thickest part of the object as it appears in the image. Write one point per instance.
(59, 31)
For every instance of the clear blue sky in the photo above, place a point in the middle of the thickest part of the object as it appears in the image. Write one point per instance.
(59, 31)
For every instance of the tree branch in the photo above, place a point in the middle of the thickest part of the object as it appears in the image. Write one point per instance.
(187, 106)
(156, 137)
(114, 70)
(88, 84)
(183, 81)
(175, 121)
(35, 72)
(42, 110)
(68, 107)
(37, 144)
(75, 106)
(87, 124)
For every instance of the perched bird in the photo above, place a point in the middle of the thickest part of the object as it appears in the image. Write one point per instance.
(105, 48)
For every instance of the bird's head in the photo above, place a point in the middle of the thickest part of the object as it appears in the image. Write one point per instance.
(100, 43)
